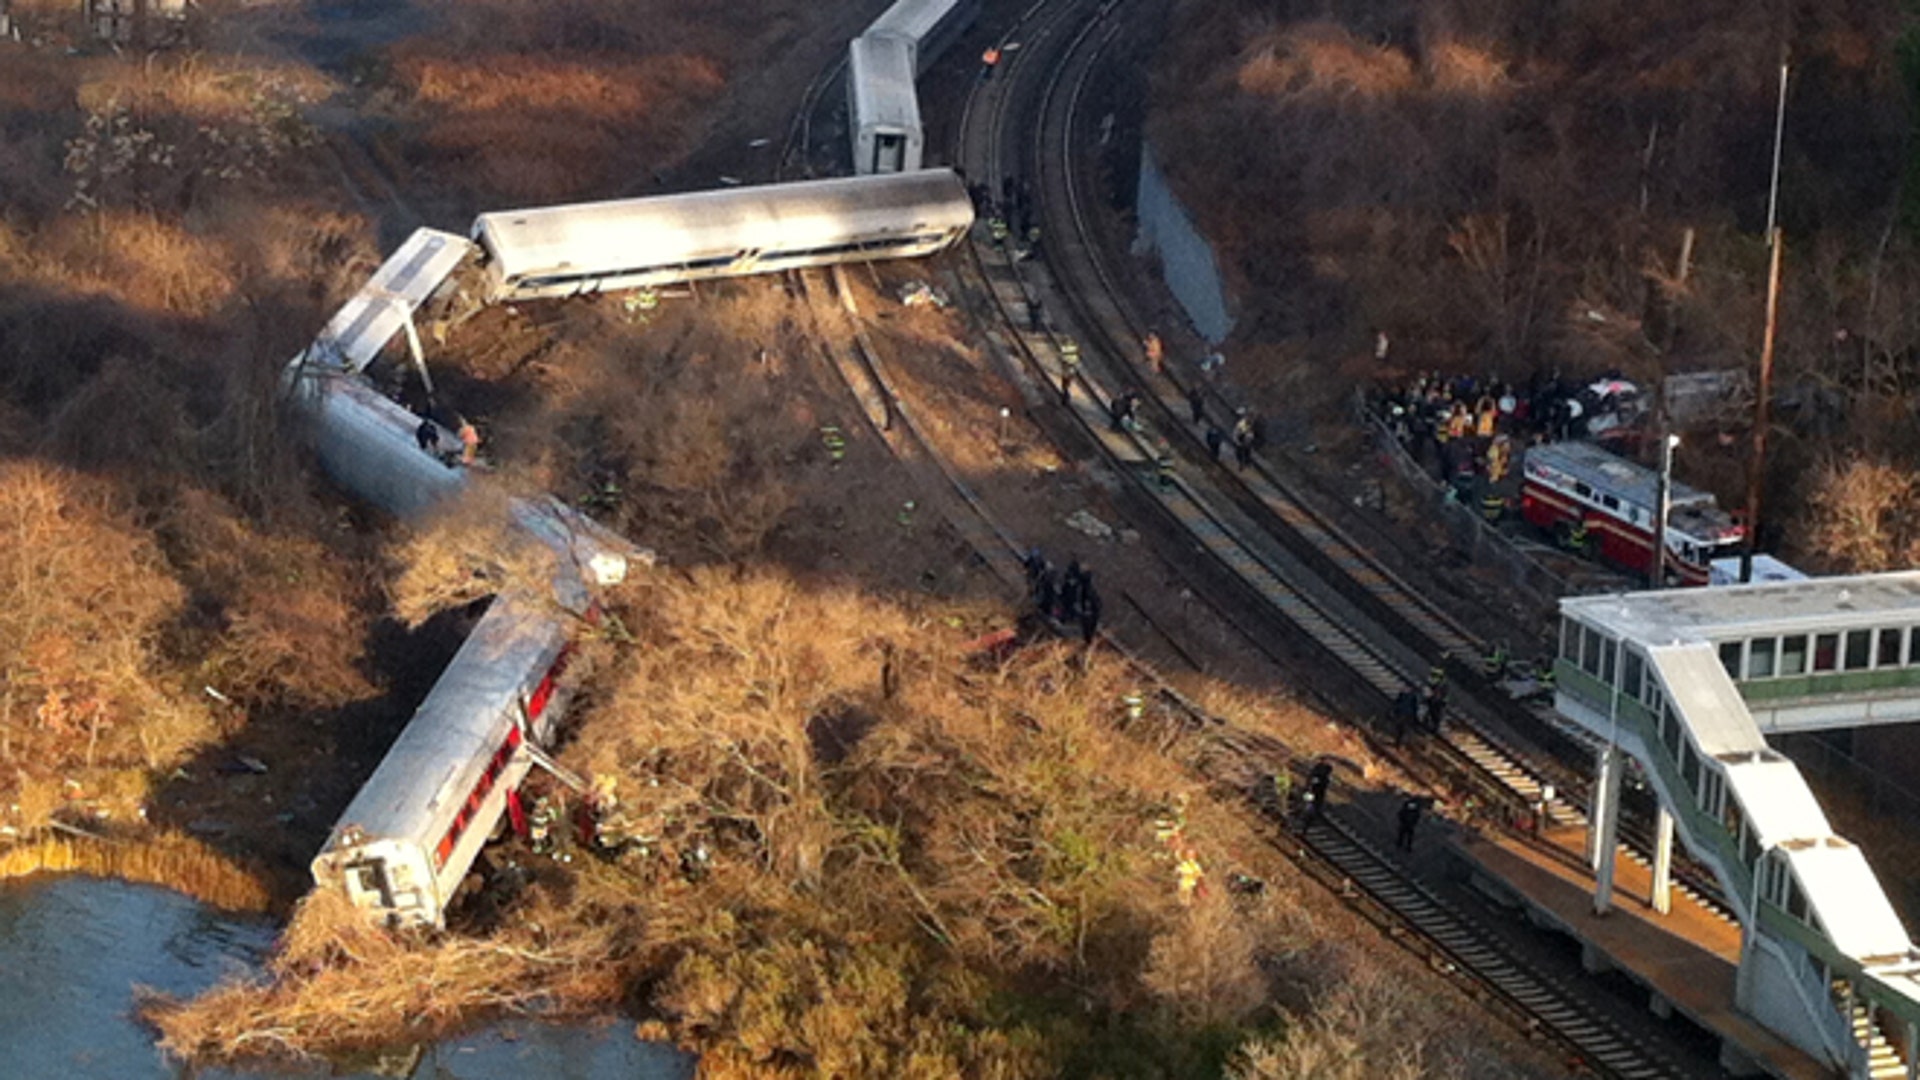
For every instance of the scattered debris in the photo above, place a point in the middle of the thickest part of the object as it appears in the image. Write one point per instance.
(1083, 522)
(921, 294)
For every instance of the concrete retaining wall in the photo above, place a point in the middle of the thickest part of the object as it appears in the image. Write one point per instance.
(1187, 262)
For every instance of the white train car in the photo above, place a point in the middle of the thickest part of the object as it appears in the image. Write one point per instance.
(406, 841)
(633, 243)
(929, 26)
(883, 109)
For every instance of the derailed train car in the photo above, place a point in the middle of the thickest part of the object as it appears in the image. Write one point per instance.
(929, 25)
(883, 109)
(633, 243)
(887, 136)
(407, 839)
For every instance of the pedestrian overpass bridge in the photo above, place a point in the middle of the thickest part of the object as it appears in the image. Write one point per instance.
(1688, 683)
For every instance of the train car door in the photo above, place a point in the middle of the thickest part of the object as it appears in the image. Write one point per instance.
(367, 884)
(889, 152)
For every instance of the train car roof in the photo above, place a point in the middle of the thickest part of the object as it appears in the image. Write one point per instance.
(1728, 611)
(1603, 469)
(912, 19)
(666, 229)
(364, 324)
(456, 729)
(882, 72)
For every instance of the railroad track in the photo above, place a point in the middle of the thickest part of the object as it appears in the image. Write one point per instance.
(1322, 582)
(1329, 851)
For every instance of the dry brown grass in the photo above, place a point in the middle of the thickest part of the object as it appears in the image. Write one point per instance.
(1864, 516)
(166, 859)
(947, 869)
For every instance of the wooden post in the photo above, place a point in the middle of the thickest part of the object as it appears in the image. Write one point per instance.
(1757, 467)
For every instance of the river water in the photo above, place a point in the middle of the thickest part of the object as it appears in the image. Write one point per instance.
(72, 950)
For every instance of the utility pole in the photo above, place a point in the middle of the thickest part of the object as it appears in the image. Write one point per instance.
(1757, 468)
(1663, 505)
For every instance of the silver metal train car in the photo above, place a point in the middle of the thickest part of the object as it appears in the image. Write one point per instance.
(930, 26)
(407, 839)
(883, 110)
(631, 243)
(887, 135)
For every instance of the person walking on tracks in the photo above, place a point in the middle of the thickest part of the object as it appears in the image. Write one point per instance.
(1156, 353)
(1089, 610)
(1406, 713)
(1197, 403)
(1436, 708)
(989, 59)
(1243, 440)
(1215, 440)
(1069, 364)
(1411, 808)
(1319, 780)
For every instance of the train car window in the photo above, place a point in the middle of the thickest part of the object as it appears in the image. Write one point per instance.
(1609, 502)
(1859, 650)
(1890, 647)
(1760, 658)
(1581, 489)
(1730, 658)
(1793, 655)
(1826, 651)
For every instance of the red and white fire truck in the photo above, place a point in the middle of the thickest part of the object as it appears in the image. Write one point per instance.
(1571, 488)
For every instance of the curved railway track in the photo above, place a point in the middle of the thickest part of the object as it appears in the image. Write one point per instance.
(1328, 849)
(1330, 588)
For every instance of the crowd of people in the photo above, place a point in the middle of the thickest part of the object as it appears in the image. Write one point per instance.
(1065, 596)
(1471, 430)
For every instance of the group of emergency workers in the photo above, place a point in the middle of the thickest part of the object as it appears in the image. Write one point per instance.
(1472, 430)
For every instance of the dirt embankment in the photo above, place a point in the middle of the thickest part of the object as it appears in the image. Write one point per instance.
(1506, 188)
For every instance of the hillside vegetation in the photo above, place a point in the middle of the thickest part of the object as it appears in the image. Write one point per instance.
(1506, 187)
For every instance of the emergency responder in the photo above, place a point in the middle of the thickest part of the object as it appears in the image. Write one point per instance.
(1577, 537)
(1493, 506)
(1069, 365)
(1215, 440)
(427, 435)
(1089, 612)
(1163, 463)
(1243, 440)
(1136, 704)
(989, 60)
(1197, 404)
(540, 826)
(1189, 873)
(469, 442)
(1495, 663)
(835, 442)
(1156, 353)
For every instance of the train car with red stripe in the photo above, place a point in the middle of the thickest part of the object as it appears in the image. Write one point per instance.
(1567, 485)
(407, 840)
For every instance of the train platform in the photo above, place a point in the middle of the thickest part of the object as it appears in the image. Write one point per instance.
(1686, 959)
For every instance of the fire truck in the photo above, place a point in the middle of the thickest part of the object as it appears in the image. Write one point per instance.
(1570, 487)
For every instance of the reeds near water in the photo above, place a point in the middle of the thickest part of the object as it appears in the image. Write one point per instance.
(167, 859)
